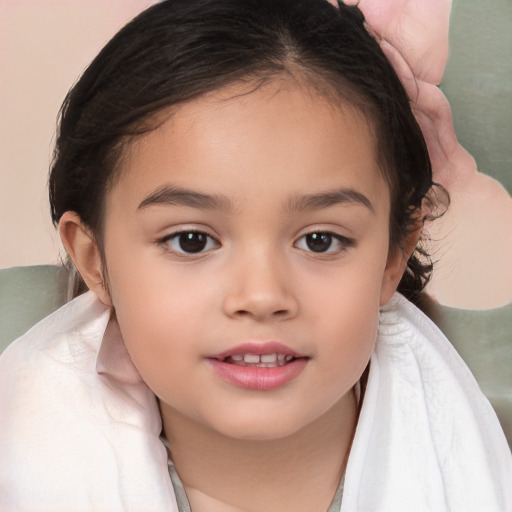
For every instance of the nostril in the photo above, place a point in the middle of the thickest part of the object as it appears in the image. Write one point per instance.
(280, 313)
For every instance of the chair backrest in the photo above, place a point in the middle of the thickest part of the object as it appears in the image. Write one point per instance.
(28, 294)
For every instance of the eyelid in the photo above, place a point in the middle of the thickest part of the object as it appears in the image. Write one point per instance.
(163, 242)
(185, 227)
(344, 241)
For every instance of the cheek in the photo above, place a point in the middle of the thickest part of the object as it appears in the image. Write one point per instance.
(351, 290)
(345, 307)
(162, 315)
(146, 311)
(160, 342)
(350, 336)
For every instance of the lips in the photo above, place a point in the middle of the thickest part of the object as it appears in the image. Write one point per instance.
(259, 366)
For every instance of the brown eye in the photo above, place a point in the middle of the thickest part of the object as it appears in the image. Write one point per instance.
(190, 242)
(324, 242)
(319, 242)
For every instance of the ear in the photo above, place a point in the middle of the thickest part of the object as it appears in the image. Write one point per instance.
(397, 263)
(84, 251)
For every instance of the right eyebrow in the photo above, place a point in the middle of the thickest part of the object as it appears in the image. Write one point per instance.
(329, 198)
(177, 196)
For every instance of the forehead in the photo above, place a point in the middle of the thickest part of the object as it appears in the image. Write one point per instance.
(282, 131)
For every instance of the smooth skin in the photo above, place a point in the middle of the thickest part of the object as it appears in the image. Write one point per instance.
(262, 174)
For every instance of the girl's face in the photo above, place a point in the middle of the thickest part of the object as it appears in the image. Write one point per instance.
(251, 228)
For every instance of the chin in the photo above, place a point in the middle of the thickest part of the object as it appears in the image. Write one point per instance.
(259, 427)
(260, 434)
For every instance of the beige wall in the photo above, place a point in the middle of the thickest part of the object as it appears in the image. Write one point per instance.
(44, 46)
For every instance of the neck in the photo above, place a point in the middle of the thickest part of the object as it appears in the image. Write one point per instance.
(300, 472)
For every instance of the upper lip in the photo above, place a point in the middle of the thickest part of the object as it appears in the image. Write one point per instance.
(258, 348)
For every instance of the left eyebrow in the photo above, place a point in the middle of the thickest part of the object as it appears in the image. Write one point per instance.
(177, 196)
(327, 199)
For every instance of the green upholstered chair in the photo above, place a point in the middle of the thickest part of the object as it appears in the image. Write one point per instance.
(28, 294)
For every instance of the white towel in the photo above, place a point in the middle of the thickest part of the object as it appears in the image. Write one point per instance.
(79, 430)
(427, 438)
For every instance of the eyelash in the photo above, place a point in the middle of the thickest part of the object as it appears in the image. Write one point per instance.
(343, 243)
(166, 242)
(207, 242)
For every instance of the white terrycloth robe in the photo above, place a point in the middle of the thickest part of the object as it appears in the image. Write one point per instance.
(79, 430)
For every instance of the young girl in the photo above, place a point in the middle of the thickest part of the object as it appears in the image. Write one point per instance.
(242, 185)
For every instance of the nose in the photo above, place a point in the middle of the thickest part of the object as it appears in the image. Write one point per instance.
(260, 288)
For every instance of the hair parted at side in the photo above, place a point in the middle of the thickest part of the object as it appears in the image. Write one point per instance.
(178, 50)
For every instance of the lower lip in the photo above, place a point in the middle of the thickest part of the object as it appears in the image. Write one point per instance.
(250, 377)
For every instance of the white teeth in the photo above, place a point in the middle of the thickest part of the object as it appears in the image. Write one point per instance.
(269, 358)
(263, 361)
